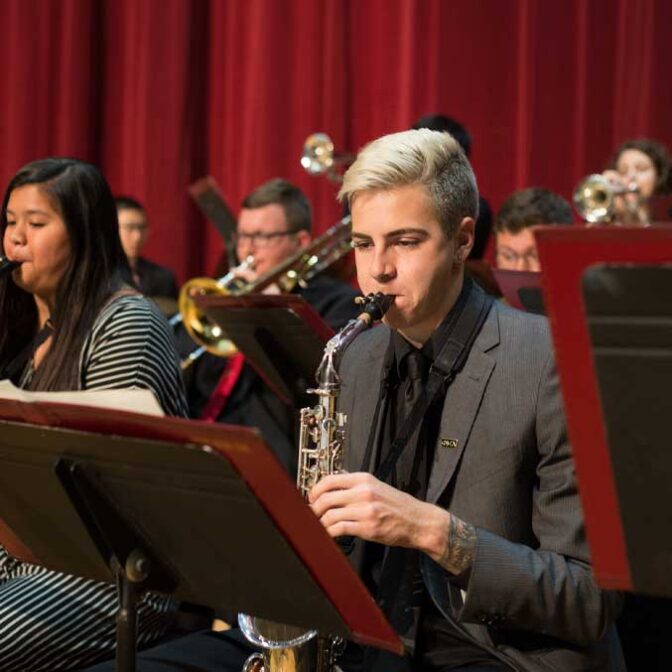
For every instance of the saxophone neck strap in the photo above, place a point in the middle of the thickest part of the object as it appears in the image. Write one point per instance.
(447, 364)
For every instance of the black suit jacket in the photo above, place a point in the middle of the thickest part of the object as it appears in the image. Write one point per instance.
(156, 280)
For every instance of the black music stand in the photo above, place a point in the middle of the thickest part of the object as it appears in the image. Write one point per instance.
(203, 512)
(629, 318)
(281, 336)
(521, 289)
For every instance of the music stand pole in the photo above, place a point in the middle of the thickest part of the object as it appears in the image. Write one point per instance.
(121, 547)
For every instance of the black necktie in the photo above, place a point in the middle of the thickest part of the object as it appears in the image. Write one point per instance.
(400, 588)
(416, 367)
(411, 462)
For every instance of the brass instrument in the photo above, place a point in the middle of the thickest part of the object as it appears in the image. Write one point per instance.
(195, 322)
(298, 269)
(318, 157)
(231, 281)
(595, 197)
(288, 648)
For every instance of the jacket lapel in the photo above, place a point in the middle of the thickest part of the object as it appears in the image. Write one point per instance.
(461, 405)
(366, 395)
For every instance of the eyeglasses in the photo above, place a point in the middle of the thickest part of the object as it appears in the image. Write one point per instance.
(512, 258)
(260, 239)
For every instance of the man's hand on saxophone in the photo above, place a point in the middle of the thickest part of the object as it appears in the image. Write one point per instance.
(360, 505)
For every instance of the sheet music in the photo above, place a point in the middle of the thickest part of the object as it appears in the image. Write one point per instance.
(136, 401)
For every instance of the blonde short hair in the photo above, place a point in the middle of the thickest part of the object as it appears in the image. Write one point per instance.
(432, 159)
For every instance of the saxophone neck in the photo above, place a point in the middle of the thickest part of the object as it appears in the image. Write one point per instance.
(374, 306)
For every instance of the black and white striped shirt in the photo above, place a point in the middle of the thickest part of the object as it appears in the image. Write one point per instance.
(52, 621)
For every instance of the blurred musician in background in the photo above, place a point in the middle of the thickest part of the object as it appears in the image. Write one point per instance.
(440, 122)
(70, 323)
(151, 279)
(274, 223)
(516, 249)
(645, 164)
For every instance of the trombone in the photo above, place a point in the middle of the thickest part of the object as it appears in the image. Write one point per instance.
(229, 282)
(298, 269)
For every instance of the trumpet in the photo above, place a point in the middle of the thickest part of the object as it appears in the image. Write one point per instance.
(595, 200)
(318, 157)
(298, 269)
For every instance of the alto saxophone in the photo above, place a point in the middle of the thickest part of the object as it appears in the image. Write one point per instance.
(287, 648)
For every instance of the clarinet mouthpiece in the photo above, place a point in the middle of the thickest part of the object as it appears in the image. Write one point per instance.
(8, 265)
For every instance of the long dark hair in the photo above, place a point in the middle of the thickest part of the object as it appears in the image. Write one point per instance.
(95, 271)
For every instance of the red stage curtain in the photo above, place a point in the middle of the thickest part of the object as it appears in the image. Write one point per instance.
(161, 92)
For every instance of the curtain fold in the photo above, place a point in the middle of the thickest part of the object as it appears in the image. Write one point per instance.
(161, 92)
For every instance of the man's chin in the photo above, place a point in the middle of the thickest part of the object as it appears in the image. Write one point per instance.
(396, 319)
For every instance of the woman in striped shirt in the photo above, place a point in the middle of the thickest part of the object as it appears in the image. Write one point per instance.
(68, 323)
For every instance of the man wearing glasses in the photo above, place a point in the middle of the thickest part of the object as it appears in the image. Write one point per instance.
(274, 223)
(520, 212)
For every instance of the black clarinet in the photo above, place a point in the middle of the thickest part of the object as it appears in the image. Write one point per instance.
(8, 265)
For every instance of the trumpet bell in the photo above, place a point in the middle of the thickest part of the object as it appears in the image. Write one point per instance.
(318, 154)
(594, 198)
(202, 330)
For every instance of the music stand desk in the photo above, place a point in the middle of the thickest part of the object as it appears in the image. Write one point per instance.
(281, 336)
(629, 314)
(566, 254)
(521, 289)
(212, 507)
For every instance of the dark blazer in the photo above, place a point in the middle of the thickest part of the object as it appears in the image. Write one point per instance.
(155, 280)
(530, 596)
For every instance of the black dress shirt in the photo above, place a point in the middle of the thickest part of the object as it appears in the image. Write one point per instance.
(391, 573)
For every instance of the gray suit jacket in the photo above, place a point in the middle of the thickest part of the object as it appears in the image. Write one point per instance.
(507, 469)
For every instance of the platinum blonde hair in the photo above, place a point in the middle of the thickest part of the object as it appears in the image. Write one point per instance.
(432, 159)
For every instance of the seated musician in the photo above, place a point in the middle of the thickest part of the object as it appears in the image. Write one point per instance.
(516, 248)
(646, 164)
(74, 326)
(441, 122)
(273, 225)
(471, 538)
(153, 280)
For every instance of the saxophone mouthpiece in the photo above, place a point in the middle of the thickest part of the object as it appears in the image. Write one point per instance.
(8, 265)
(374, 306)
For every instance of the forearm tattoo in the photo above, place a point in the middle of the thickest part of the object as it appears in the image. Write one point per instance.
(458, 554)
